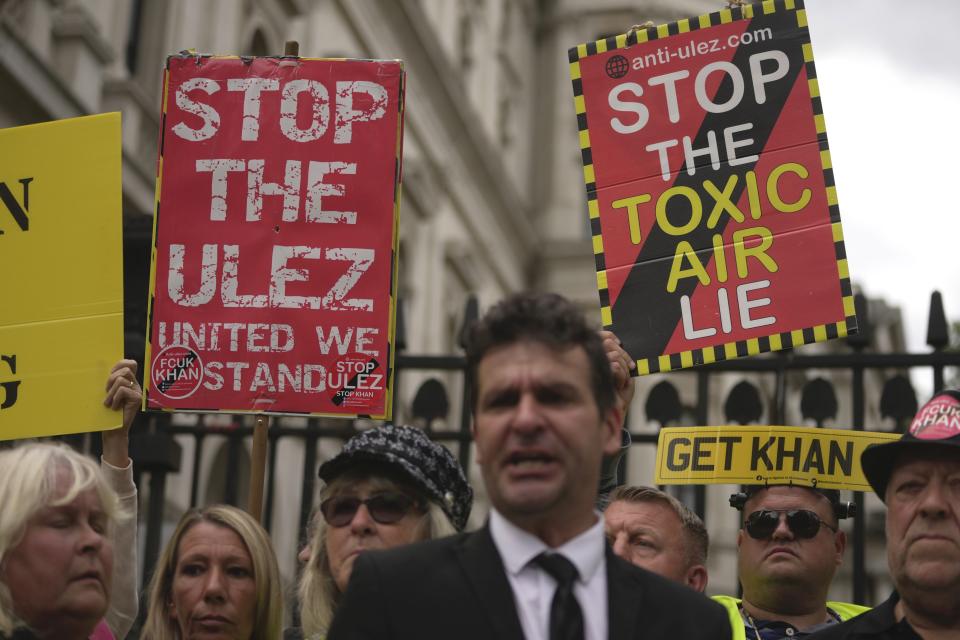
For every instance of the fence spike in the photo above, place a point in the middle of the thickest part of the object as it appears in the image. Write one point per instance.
(471, 312)
(818, 401)
(861, 339)
(400, 337)
(663, 404)
(431, 402)
(743, 405)
(898, 400)
(937, 335)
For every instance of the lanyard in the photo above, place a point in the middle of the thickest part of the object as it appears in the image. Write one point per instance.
(756, 629)
(752, 622)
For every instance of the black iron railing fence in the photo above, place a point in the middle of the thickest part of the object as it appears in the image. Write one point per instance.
(157, 454)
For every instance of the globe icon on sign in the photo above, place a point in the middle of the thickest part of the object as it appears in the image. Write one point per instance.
(617, 66)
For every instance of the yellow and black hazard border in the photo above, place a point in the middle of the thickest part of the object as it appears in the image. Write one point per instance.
(394, 260)
(148, 349)
(740, 348)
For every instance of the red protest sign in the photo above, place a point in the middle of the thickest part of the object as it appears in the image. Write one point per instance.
(710, 188)
(275, 236)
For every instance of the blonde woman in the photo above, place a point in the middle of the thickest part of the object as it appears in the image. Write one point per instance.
(217, 577)
(390, 486)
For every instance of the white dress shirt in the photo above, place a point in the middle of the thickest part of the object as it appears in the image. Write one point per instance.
(533, 588)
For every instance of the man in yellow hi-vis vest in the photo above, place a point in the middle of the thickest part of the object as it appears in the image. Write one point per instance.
(789, 548)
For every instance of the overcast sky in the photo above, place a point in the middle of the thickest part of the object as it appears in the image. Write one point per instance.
(890, 83)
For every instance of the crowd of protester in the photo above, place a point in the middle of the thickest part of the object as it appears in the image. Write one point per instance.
(388, 556)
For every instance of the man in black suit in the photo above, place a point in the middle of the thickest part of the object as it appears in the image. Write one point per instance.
(545, 414)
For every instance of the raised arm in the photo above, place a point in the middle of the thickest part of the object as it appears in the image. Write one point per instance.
(123, 394)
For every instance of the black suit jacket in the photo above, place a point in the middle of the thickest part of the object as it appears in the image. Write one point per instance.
(880, 623)
(457, 589)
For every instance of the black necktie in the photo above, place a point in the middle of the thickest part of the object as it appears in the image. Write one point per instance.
(566, 618)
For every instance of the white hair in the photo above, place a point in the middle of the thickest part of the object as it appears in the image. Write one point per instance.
(31, 478)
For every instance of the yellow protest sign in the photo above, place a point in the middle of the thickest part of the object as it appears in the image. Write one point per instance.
(61, 321)
(828, 458)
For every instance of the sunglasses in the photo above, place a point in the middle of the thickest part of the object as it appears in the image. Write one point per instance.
(384, 508)
(803, 523)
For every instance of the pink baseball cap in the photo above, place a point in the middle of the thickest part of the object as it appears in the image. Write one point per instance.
(937, 424)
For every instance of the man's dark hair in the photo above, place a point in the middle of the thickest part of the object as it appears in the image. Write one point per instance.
(546, 318)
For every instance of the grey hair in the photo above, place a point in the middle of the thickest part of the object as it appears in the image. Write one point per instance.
(696, 533)
(28, 483)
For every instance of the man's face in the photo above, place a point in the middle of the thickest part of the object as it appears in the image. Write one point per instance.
(650, 535)
(539, 434)
(785, 560)
(923, 521)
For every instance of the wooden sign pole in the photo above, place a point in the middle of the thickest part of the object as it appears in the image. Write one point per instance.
(258, 466)
(258, 463)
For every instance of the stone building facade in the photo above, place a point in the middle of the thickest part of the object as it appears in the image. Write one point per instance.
(493, 198)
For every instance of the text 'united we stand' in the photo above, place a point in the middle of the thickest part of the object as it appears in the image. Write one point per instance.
(276, 235)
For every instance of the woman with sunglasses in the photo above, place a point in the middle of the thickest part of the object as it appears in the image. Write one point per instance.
(389, 487)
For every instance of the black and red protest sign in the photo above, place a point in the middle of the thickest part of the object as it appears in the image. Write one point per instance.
(275, 236)
(710, 188)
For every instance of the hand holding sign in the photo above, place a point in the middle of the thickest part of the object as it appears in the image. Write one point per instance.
(123, 393)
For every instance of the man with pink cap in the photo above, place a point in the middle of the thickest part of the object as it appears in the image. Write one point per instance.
(918, 478)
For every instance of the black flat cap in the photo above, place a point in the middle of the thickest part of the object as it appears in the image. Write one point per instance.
(428, 465)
